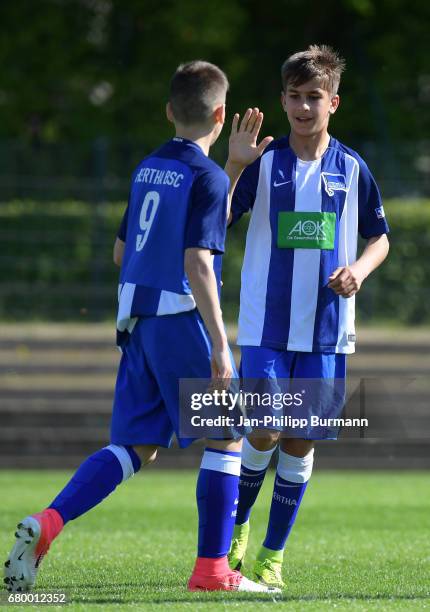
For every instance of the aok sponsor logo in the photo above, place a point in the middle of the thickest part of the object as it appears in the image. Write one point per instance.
(308, 229)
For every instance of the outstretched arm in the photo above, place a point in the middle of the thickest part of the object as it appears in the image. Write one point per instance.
(346, 281)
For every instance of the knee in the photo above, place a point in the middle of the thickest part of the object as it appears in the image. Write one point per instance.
(147, 453)
(234, 446)
(296, 446)
(264, 441)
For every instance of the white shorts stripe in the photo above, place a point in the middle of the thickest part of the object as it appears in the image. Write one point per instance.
(171, 303)
(125, 305)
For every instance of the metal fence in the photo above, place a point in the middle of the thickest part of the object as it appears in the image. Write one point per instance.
(56, 257)
(99, 170)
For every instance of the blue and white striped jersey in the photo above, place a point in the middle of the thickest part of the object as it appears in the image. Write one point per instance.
(305, 220)
(178, 200)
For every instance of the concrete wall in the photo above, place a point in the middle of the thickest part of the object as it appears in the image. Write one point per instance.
(56, 388)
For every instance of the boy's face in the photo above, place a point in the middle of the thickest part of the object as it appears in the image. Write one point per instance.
(308, 107)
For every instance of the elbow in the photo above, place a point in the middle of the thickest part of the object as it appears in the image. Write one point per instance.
(387, 246)
(118, 252)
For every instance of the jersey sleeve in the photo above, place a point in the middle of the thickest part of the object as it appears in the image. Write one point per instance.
(371, 215)
(245, 191)
(122, 230)
(207, 218)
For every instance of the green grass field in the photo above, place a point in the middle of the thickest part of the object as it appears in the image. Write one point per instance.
(361, 542)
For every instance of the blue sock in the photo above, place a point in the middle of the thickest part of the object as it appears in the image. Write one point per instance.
(286, 500)
(291, 480)
(252, 473)
(95, 479)
(217, 490)
(249, 487)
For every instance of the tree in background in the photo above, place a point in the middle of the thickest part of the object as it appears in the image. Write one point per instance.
(77, 69)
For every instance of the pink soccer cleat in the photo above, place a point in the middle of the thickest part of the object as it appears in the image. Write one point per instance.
(34, 536)
(215, 575)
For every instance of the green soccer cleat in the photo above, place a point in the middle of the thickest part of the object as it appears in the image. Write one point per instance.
(268, 567)
(238, 546)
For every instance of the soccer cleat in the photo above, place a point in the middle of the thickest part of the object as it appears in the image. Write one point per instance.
(34, 536)
(268, 571)
(248, 586)
(232, 581)
(238, 546)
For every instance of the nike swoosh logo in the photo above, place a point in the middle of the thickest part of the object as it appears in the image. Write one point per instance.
(279, 484)
(20, 556)
(275, 184)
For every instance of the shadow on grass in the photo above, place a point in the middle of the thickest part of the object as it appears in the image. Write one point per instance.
(157, 595)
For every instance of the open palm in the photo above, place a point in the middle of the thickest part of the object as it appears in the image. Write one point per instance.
(243, 148)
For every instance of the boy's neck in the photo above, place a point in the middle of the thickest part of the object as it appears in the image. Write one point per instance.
(309, 148)
(200, 137)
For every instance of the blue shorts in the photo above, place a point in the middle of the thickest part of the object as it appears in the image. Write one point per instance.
(262, 362)
(159, 352)
(276, 371)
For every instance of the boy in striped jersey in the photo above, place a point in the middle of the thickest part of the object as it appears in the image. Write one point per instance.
(309, 197)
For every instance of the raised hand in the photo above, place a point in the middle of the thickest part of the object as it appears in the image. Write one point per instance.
(243, 148)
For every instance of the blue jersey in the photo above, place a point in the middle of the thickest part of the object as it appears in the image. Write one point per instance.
(178, 200)
(306, 216)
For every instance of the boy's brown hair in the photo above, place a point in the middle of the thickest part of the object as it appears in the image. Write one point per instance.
(317, 62)
(195, 88)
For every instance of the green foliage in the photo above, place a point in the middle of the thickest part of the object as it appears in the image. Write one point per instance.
(57, 263)
(58, 260)
(73, 71)
(400, 289)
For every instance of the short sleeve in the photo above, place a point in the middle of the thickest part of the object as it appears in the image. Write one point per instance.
(245, 191)
(122, 230)
(207, 218)
(371, 215)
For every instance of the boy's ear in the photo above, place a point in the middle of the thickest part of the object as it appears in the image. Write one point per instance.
(219, 114)
(169, 113)
(334, 103)
(283, 101)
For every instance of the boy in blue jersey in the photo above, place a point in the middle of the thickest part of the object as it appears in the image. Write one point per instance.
(310, 196)
(173, 227)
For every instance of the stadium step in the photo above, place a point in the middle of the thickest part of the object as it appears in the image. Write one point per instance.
(56, 391)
